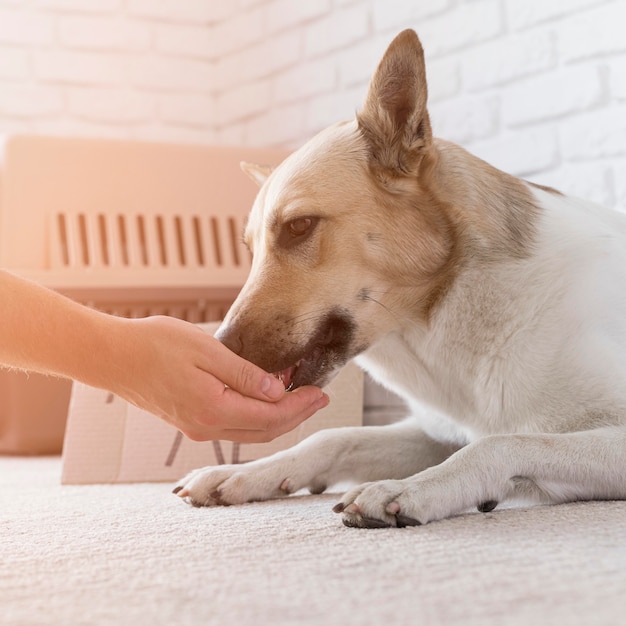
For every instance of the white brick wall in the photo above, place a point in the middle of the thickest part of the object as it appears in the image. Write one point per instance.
(537, 87)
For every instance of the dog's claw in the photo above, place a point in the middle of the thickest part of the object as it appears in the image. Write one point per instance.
(487, 506)
(403, 521)
(365, 522)
(177, 489)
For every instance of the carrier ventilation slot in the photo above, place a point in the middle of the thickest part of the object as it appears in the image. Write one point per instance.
(154, 241)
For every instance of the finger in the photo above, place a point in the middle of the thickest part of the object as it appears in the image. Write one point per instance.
(238, 412)
(281, 425)
(243, 376)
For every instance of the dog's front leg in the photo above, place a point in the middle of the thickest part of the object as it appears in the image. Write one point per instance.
(550, 468)
(320, 461)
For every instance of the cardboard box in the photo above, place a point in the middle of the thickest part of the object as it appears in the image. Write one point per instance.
(107, 440)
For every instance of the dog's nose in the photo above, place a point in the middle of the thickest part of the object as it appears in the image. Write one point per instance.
(231, 338)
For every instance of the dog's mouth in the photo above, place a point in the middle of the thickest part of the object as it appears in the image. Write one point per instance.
(286, 376)
(314, 369)
(325, 353)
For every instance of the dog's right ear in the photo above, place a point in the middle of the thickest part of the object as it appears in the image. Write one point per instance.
(394, 119)
(258, 173)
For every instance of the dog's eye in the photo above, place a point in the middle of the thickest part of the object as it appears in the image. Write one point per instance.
(296, 230)
(300, 227)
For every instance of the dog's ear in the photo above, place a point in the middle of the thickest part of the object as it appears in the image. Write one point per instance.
(258, 173)
(394, 119)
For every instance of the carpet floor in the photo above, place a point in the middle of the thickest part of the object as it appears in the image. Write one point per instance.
(136, 554)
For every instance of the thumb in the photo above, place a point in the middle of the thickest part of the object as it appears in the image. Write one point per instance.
(245, 377)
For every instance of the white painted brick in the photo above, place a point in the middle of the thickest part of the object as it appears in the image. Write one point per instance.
(25, 100)
(247, 100)
(78, 67)
(356, 64)
(522, 152)
(276, 127)
(236, 69)
(594, 135)
(25, 27)
(13, 126)
(171, 73)
(617, 78)
(468, 24)
(619, 176)
(595, 32)
(13, 63)
(465, 119)
(185, 40)
(524, 13)
(569, 90)
(103, 33)
(304, 81)
(322, 111)
(342, 28)
(246, 4)
(232, 135)
(587, 180)
(110, 105)
(174, 134)
(187, 109)
(75, 127)
(82, 6)
(283, 14)
(239, 32)
(183, 10)
(276, 53)
(508, 58)
(390, 14)
(443, 76)
(258, 61)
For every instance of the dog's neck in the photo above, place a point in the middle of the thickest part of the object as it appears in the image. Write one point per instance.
(495, 214)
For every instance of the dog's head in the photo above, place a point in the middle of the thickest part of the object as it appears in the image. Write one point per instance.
(346, 239)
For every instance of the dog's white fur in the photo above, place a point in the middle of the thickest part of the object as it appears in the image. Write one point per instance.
(495, 308)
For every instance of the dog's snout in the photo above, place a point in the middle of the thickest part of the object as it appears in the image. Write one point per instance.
(231, 338)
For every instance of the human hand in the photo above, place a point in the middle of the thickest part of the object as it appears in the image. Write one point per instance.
(188, 378)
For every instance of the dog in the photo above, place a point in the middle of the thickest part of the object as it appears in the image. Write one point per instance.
(496, 308)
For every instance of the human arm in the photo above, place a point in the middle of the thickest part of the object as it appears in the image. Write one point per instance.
(164, 365)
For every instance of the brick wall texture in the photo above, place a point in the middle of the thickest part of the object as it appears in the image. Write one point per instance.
(536, 87)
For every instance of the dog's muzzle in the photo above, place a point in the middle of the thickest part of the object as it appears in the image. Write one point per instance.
(315, 363)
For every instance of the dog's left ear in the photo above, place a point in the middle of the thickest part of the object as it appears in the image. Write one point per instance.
(394, 119)
(258, 173)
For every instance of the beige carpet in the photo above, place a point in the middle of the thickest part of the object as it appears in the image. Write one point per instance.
(135, 554)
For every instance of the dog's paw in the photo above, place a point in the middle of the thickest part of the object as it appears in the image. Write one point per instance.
(230, 484)
(400, 503)
(375, 505)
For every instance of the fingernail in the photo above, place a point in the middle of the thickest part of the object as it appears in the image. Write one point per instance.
(323, 401)
(272, 387)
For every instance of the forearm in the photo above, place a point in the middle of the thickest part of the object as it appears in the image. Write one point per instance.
(45, 332)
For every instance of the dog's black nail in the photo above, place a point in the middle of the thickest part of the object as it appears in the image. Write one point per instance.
(371, 522)
(364, 522)
(404, 521)
(487, 506)
(339, 507)
(177, 489)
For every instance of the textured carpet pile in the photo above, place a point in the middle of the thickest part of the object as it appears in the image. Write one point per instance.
(136, 554)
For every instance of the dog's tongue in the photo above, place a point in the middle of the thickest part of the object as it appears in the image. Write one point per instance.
(286, 376)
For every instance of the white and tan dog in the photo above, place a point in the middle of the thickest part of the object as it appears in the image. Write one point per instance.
(494, 307)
